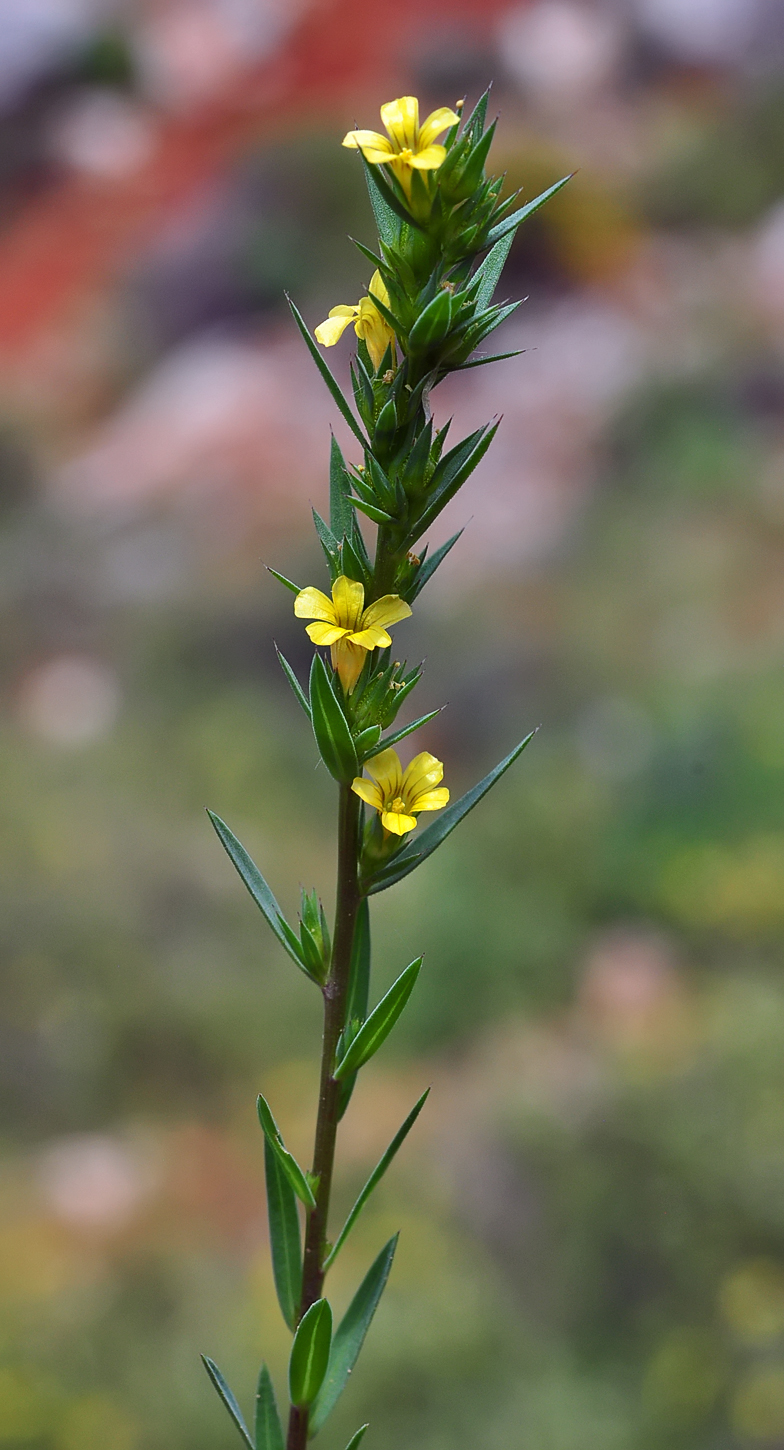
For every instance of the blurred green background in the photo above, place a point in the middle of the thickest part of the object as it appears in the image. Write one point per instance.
(592, 1206)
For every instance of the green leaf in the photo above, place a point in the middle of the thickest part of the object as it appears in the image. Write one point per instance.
(288, 1163)
(339, 492)
(281, 578)
(269, 1431)
(475, 124)
(375, 1178)
(381, 190)
(490, 270)
(359, 973)
(328, 543)
(376, 514)
(373, 257)
(356, 1440)
(429, 566)
(285, 1244)
(330, 726)
(358, 990)
(401, 734)
(310, 1353)
(350, 1335)
(511, 223)
(432, 325)
(386, 215)
(480, 362)
(327, 376)
(258, 888)
(228, 1399)
(380, 1022)
(456, 479)
(367, 740)
(412, 856)
(294, 682)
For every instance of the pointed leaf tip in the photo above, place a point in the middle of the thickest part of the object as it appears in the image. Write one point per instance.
(228, 1398)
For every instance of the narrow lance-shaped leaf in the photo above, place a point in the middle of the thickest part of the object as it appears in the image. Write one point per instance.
(330, 726)
(329, 544)
(491, 268)
(228, 1399)
(358, 990)
(375, 1178)
(380, 1022)
(288, 1163)
(429, 566)
(258, 888)
(511, 223)
(281, 578)
(327, 376)
(481, 362)
(377, 515)
(386, 216)
(285, 1243)
(356, 1440)
(418, 851)
(401, 734)
(359, 975)
(310, 1353)
(448, 490)
(350, 1335)
(339, 492)
(299, 693)
(269, 1431)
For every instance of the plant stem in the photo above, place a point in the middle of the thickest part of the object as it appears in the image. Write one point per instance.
(335, 1002)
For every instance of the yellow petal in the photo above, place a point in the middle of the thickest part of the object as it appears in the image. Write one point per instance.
(397, 823)
(374, 330)
(323, 633)
(330, 331)
(348, 596)
(429, 159)
(310, 603)
(372, 144)
(435, 123)
(385, 768)
(367, 790)
(423, 772)
(348, 660)
(377, 288)
(373, 638)
(431, 800)
(401, 120)
(389, 609)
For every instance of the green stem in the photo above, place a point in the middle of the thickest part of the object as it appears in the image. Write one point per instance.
(335, 1005)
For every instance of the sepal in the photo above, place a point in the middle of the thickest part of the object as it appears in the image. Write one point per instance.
(330, 726)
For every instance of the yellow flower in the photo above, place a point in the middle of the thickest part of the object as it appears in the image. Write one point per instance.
(398, 794)
(346, 626)
(368, 322)
(409, 144)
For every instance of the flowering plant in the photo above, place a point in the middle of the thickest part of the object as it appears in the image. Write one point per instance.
(443, 237)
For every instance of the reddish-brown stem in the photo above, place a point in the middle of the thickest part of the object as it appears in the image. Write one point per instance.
(335, 1003)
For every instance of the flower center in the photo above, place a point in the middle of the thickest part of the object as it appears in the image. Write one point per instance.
(397, 806)
(405, 153)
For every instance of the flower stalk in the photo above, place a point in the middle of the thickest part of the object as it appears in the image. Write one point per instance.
(444, 235)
